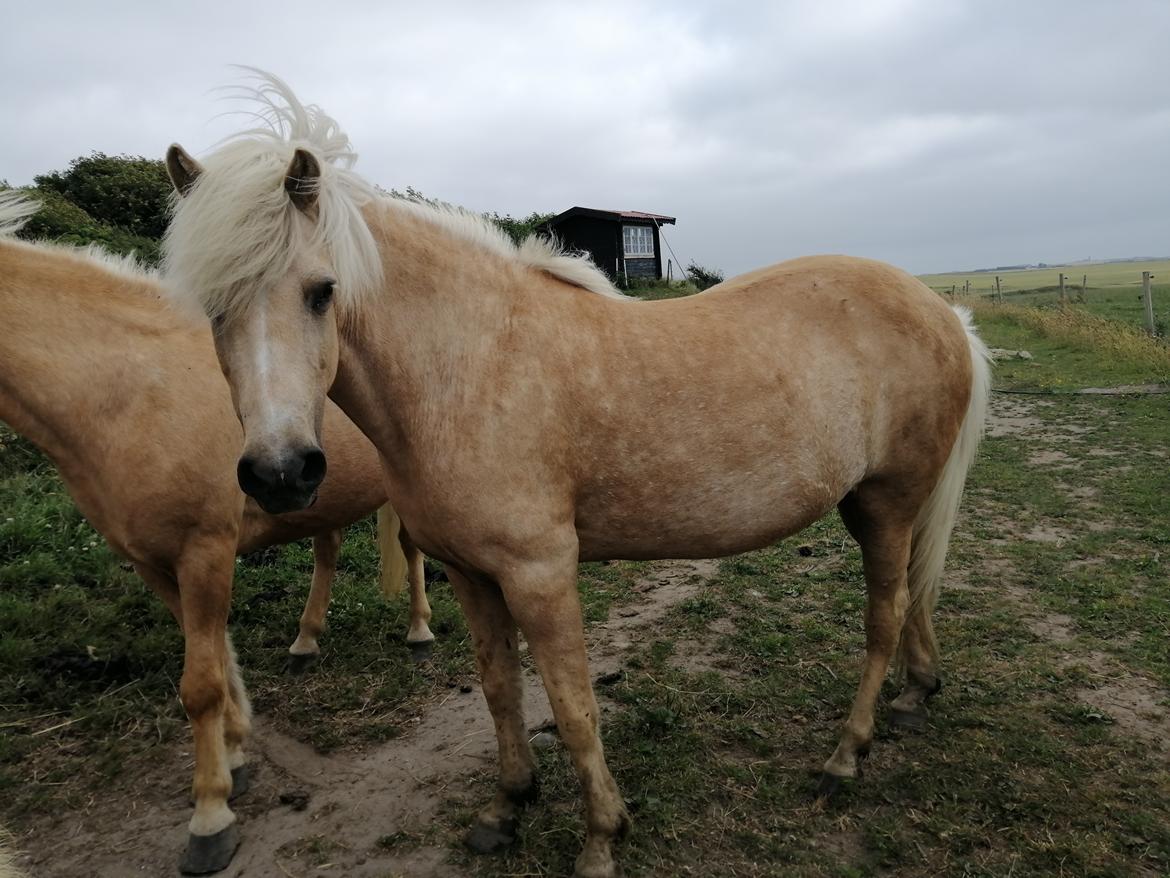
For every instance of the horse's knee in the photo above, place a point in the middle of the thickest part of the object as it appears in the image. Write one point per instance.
(202, 692)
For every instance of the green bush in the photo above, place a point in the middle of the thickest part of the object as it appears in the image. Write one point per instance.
(704, 277)
(128, 192)
(60, 220)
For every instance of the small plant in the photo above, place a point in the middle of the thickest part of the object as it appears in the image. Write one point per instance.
(703, 277)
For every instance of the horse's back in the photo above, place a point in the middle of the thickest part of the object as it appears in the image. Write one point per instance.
(745, 412)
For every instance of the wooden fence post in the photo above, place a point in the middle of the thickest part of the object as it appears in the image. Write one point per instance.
(967, 287)
(952, 289)
(1084, 283)
(1062, 288)
(998, 292)
(1148, 301)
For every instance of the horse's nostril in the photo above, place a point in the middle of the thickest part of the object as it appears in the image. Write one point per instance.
(250, 481)
(313, 467)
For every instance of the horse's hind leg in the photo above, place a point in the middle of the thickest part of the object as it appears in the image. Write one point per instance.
(237, 720)
(884, 535)
(418, 636)
(497, 654)
(305, 649)
(917, 652)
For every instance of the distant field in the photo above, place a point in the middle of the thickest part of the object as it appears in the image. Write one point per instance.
(1113, 291)
(1100, 274)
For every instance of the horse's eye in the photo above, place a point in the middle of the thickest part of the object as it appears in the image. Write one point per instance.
(320, 295)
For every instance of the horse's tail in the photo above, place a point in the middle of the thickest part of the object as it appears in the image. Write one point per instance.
(392, 576)
(7, 863)
(16, 208)
(932, 528)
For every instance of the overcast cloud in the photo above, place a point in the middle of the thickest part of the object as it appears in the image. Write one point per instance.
(935, 135)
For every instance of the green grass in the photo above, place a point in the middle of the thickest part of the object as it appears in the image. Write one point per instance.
(1058, 584)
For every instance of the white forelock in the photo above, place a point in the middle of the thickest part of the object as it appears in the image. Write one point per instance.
(235, 233)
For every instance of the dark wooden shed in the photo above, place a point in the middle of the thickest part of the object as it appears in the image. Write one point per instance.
(622, 243)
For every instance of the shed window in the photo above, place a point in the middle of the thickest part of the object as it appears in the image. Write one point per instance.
(639, 241)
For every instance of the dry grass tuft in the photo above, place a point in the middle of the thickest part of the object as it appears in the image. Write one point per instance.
(1079, 327)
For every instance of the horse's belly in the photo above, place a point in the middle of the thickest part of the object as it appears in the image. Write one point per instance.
(702, 521)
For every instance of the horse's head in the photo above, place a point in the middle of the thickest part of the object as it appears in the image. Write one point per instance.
(251, 254)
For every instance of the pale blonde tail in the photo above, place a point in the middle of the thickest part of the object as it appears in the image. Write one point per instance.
(932, 529)
(7, 857)
(392, 577)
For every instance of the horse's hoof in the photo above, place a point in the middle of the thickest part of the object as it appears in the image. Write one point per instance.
(421, 651)
(831, 785)
(241, 781)
(936, 688)
(299, 663)
(206, 854)
(908, 720)
(484, 839)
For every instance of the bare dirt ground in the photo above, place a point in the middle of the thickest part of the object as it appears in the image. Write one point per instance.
(1134, 703)
(314, 814)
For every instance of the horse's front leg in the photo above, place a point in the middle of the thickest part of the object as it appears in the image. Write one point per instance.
(544, 600)
(497, 654)
(204, 573)
(305, 649)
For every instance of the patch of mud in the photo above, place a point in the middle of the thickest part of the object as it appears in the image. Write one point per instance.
(1132, 703)
(699, 656)
(1046, 533)
(1049, 457)
(1127, 389)
(399, 791)
(1009, 416)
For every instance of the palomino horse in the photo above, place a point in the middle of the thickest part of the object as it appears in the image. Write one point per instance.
(128, 402)
(529, 417)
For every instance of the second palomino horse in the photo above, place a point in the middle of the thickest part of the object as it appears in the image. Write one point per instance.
(129, 404)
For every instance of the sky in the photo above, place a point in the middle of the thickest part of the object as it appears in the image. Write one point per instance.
(932, 134)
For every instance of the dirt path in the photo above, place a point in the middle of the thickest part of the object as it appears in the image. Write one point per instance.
(350, 799)
(1134, 703)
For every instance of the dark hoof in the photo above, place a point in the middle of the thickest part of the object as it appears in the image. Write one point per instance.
(936, 688)
(831, 785)
(298, 664)
(908, 720)
(206, 854)
(241, 782)
(484, 839)
(421, 651)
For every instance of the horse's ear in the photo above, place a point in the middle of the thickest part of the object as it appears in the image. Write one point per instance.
(301, 180)
(183, 169)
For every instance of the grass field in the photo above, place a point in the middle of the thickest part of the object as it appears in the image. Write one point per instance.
(1099, 274)
(1046, 752)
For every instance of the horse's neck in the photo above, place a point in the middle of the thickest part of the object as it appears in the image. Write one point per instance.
(73, 338)
(443, 309)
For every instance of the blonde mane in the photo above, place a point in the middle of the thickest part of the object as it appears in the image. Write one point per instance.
(235, 232)
(540, 253)
(17, 208)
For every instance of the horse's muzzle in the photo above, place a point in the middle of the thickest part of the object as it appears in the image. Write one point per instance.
(285, 485)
